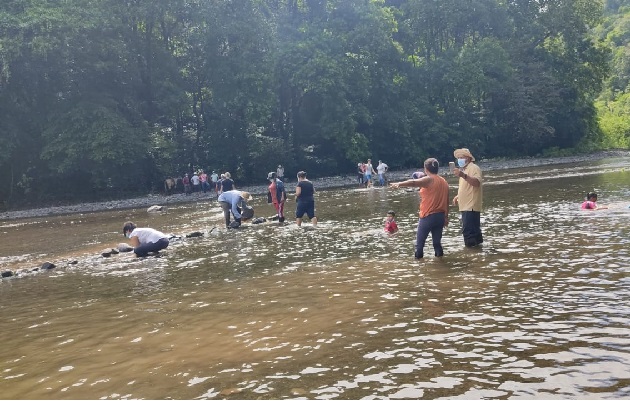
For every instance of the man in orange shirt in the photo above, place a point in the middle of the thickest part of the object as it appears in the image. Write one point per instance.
(433, 206)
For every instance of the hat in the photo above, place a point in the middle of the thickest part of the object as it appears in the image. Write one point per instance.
(279, 165)
(271, 175)
(463, 152)
(246, 195)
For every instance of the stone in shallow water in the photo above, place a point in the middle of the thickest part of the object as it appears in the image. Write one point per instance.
(7, 273)
(123, 247)
(194, 234)
(156, 208)
(48, 266)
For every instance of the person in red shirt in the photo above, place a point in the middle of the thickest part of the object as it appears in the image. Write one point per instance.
(277, 195)
(390, 223)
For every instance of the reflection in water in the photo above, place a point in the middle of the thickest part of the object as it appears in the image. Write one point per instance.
(341, 311)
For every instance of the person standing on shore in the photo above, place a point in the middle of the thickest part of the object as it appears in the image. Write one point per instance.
(196, 182)
(280, 172)
(227, 184)
(381, 169)
(145, 240)
(187, 187)
(305, 199)
(469, 196)
(433, 207)
(369, 170)
(360, 172)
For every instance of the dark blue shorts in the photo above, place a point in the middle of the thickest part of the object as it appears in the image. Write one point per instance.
(305, 207)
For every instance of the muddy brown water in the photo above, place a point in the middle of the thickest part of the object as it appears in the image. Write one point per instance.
(337, 312)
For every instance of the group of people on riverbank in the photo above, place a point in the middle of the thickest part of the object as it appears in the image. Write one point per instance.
(366, 173)
(199, 182)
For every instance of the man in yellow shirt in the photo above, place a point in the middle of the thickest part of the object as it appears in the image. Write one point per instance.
(469, 196)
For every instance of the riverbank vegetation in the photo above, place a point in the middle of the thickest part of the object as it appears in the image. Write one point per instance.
(105, 99)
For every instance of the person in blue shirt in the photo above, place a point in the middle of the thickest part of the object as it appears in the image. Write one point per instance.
(232, 203)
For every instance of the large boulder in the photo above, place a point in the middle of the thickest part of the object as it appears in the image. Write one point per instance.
(6, 273)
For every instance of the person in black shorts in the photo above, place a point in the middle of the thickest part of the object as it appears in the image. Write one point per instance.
(305, 198)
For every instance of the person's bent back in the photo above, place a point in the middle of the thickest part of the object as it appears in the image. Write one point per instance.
(145, 240)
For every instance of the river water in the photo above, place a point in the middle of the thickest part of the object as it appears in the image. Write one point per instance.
(340, 311)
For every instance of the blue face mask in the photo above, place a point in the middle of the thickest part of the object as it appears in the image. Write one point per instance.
(461, 162)
(128, 235)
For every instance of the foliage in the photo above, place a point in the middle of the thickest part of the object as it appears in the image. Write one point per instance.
(98, 99)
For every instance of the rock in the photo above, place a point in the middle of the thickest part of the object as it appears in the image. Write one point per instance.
(73, 262)
(106, 253)
(35, 269)
(259, 220)
(156, 208)
(6, 273)
(115, 251)
(194, 234)
(124, 247)
(48, 266)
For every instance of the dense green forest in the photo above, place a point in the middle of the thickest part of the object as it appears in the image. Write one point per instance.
(107, 98)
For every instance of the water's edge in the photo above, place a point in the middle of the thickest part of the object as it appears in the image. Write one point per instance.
(320, 184)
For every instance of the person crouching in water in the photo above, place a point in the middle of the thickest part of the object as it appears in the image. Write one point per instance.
(433, 206)
(232, 202)
(145, 240)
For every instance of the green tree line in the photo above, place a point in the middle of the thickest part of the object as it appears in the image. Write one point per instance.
(107, 98)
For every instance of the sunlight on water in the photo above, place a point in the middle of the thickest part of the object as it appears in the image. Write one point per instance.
(338, 311)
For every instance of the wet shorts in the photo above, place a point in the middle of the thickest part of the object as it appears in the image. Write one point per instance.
(305, 207)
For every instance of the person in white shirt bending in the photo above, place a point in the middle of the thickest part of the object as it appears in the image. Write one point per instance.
(145, 240)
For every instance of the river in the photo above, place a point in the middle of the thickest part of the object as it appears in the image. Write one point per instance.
(341, 311)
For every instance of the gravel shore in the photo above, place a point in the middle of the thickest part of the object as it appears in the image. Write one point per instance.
(320, 184)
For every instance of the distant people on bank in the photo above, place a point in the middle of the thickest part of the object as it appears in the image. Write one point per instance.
(145, 240)
(417, 174)
(590, 202)
(305, 199)
(196, 182)
(360, 173)
(382, 169)
(433, 208)
(280, 172)
(390, 222)
(203, 178)
(469, 196)
(277, 195)
(227, 184)
(187, 185)
(214, 178)
(368, 172)
(233, 202)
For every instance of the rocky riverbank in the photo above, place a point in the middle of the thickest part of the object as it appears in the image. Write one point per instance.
(320, 184)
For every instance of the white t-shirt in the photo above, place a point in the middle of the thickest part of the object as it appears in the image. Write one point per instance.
(381, 168)
(195, 179)
(147, 235)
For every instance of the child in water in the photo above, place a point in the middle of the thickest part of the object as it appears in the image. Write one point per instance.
(590, 202)
(390, 223)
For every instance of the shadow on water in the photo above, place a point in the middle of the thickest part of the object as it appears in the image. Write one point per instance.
(340, 311)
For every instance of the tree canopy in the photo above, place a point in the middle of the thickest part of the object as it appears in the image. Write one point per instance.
(104, 98)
